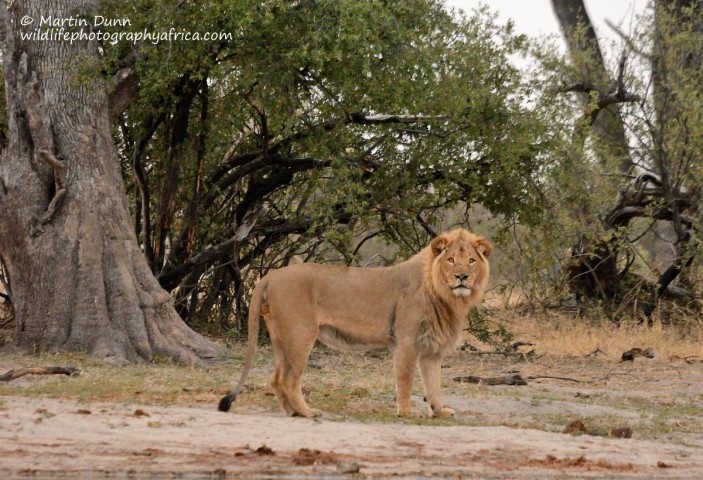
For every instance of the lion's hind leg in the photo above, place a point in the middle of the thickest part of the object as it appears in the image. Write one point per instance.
(277, 380)
(290, 359)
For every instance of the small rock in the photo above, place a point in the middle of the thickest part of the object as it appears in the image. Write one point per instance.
(264, 450)
(621, 432)
(576, 426)
(347, 468)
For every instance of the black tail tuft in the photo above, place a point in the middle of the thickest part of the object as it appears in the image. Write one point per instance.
(226, 403)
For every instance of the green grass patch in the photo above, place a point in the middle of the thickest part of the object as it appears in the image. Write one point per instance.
(344, 386)
(155, 383)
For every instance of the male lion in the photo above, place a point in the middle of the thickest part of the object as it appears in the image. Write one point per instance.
(417, 307)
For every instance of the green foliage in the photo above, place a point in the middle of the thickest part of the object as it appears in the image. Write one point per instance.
(318, 124)
(489, 332)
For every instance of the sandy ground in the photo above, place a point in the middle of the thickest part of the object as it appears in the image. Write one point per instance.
(40, 437)
(501, 431)
(46, 438)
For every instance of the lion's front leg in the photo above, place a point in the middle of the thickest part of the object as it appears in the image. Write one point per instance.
(431, 373)
(404, 360)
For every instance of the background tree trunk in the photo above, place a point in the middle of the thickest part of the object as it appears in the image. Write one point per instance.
(79, 280)
(585, 52)
(593, 271)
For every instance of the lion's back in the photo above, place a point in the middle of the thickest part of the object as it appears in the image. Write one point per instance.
(336, 294)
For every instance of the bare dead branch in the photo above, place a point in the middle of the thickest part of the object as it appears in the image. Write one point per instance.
(628, 41)
(619, 96)
(248, 222)
(577, 87)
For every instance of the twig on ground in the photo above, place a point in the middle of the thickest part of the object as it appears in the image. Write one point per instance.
(567, 379)
(595, 353)
(509, 379)
(611, 374)
(506, 380)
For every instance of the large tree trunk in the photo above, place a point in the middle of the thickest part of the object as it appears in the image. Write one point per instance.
(79, 280)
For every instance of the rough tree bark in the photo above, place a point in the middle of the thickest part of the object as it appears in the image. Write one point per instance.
(79, 280)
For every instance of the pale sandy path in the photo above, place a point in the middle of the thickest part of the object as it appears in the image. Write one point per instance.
(41, 438)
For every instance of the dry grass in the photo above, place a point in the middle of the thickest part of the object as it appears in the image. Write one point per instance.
(561, 335)
(361, 387)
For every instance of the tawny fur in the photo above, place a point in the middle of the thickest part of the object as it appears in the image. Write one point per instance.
(417, 308)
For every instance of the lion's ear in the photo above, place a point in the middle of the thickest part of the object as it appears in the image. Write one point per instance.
(439, 244)
(483, 246)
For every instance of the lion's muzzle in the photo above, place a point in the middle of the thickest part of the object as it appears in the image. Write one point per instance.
(462, 289)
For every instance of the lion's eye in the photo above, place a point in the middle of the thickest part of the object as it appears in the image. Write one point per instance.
(472, 260)
(450, 260)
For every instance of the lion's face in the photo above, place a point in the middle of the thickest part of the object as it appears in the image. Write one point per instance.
(460, 267)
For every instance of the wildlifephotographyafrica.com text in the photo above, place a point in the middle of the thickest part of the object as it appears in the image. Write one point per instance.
(76, 29)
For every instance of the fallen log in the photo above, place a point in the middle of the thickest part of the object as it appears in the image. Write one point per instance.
(14, 374)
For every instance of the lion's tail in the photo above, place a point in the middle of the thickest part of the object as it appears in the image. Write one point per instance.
(255, 310)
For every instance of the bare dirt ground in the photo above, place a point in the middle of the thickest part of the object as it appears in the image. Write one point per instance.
(498, 432)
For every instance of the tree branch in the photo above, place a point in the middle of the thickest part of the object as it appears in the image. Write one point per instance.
(123, 92)
(361, 119)
(671, 291)
(170, 278)
(426, 226)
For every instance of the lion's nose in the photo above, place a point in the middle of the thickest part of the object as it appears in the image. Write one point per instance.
(461, 276)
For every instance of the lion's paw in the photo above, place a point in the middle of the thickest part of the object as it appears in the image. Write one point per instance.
(310, 413)
(445, 412)
(405, 412)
